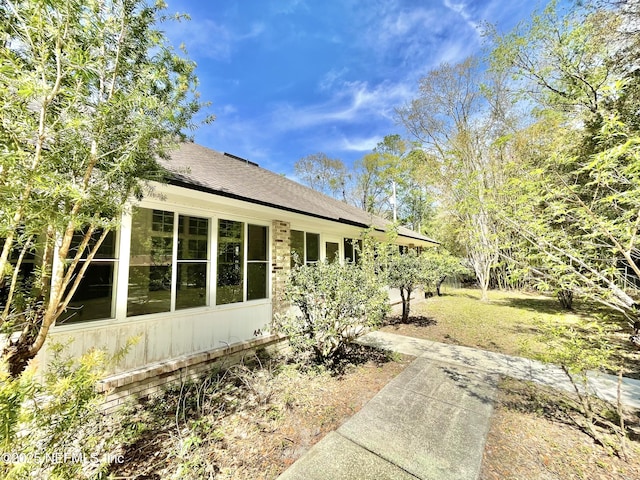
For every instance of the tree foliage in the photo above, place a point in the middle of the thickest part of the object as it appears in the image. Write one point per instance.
(407, 273)
(410, 271)
(369, 185)
(438, 264)
(92, 95)
(458, 118)
(575, 196)
(324, 174)
(68, 434)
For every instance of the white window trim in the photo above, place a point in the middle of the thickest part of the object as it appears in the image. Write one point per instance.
(245, 260)
(122, 266)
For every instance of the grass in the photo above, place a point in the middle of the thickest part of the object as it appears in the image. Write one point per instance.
(510, 322)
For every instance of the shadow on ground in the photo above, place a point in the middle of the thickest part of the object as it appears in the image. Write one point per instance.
(418, 321)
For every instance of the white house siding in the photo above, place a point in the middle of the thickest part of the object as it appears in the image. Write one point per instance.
(167, 335)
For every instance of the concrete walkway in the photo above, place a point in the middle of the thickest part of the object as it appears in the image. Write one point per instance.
(602, 385)
(431, 421)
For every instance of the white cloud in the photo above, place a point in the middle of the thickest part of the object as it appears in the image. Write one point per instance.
(330, 78)
(351, 101)
(286, 7)
(359, 144)
(227, 109)
(205, 38)
(462, 9)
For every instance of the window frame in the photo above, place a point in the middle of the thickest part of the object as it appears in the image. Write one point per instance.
(356, 253)
(245, 260)
(305, 236)
(175, 261)
(115, 262)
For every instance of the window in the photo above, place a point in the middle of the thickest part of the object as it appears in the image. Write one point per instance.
(230, 262)
(257, 262)
(352, 250)
(306, 246)
(93, 299)
(27, 267)
(332, 250)
(161, 280)
(233, 269)
(192, 262)
(151, 260)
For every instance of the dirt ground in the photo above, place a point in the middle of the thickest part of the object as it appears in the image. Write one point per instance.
(256, 423)
(288, 412)
(259, 439)
(532, 437)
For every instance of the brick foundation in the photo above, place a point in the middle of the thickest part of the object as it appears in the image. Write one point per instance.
(137, 384)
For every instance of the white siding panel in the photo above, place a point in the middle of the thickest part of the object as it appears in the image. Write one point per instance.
(166, 336)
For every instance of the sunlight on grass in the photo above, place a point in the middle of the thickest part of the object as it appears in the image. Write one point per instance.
(509, 323)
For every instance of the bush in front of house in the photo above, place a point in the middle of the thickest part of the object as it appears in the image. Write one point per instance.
(333, 304)
(53, 426)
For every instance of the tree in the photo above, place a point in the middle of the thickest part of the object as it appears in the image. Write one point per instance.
(438, 265)
(394, 163)
(581, 220)
(458, 127)
(324, 174)
(372, 186)
(405, 272)
(92, 95)
(575, 196)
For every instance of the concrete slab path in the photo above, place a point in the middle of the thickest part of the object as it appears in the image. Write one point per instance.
(603, 385)
(431, 421)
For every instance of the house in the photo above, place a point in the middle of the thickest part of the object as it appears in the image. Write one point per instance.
(196, 268)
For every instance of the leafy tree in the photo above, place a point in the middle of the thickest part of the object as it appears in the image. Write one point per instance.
(558, 55)
(372, 190)
(575, 196)
(582, 224)
(394, 163)
(457, 123)
(324, 174)
(92, 95)
(406, 272)
(438, 265)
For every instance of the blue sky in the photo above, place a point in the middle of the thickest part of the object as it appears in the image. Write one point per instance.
(288, 78)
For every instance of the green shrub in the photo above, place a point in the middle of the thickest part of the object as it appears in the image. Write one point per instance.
(335, 304)
(53, 427)
(580, 350)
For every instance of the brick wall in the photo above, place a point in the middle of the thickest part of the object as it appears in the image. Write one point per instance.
(281, 263)
(135, 385)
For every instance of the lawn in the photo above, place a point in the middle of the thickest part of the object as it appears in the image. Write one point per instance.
(510, 322)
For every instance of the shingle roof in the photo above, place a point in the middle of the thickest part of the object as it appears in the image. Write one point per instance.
(196, 167)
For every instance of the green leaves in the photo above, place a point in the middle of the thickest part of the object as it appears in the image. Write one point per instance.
(335, 304)
(92, 95)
